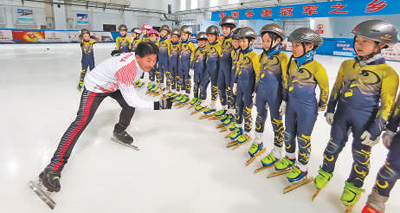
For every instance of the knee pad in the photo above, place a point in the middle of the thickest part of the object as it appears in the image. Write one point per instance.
(333, 147)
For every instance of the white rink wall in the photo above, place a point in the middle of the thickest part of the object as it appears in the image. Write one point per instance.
(183, 165)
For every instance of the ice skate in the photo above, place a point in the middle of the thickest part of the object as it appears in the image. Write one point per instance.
(255, 150)
(282, 167)
(235, 134)
(231, 128)
(267, 162)
(227, 123)
(350, 195)
(42, 193)
(125, 139)
(200, 107)
(194, 102)
(184, 102)
(296, 178)
(241, 140)
(208, 113)
(159, 92)
(320, 181)
(218, 114)
(49, 182)
(138, 84)
(153, 90)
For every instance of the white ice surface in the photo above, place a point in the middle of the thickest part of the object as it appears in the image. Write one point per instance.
(183, 165)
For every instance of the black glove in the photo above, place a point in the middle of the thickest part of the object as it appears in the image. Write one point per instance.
(163, 104)
(115, 52)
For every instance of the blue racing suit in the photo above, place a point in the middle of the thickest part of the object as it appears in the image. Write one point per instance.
(363, 98)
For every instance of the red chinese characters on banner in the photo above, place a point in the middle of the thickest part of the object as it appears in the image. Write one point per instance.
(310, 10)
(266, 13)
(338, 7)
(286, 11)
(221, 15)
(235, 14)
(375, 5)
(249, 13)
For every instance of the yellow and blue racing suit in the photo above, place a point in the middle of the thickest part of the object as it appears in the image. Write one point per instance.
(248, 73)
(187, 48)
(269, 91)
(198, 63)
(390, 172)
(302, 106)
(363, 98)
(165, 46)
(225, 70)
(123, 44)
(172, 73)
(213, 52)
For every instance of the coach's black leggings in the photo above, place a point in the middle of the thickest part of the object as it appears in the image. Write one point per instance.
(90, 101)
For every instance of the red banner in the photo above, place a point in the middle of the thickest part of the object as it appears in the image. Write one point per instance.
(22, 36)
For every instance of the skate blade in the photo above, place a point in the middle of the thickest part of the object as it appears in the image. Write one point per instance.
(164, 96)
(255, 156)
(226, 127)
(232, 143)
(297, 185)
(228, 135)
(240, 144)
(157, 94)
(315, 194)
(182, 105)
(206, 116)
(263, 168)
(349, 209)
(220, 126)
(42, 194)
(278, 173)
(127, 145)
(177, 103)
(215, 118)
(195, 112)
(191, 106)
(148, 92)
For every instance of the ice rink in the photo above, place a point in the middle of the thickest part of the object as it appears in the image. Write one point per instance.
(183, 164)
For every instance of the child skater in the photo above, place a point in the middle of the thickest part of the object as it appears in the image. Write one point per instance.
(248, 69)
(228, 24)
(145, 37)
(151, 86)
(361, 102)
(213, 50)
(300, 103)
(390, 172)
(198, 67)
(173, 63)
(135, 34)
(86, 41)
(165, 48)
(229, 117)
(269, 91)
(123, 42)
(145, 32)
(187, 49)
